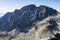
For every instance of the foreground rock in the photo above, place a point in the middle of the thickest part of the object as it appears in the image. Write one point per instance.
(44, 30)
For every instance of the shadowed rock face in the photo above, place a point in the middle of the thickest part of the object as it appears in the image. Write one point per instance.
(29, 23)
(25, 17)
(57, 37)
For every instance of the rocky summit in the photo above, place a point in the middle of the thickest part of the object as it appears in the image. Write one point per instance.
(30, 23)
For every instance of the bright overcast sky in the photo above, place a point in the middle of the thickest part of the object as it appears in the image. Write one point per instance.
(11, 5)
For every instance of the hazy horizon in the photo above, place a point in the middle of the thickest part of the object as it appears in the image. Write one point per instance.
(11, 5)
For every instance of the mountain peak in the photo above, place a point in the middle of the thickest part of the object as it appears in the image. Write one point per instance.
(43, 6)
(29, 7)
(27, 15)
(28, 21)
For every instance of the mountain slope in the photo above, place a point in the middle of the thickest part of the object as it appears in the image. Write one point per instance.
(26, 16)
(45, 29)
(30, 20)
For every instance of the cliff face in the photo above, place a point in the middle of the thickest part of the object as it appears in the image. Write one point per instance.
(25, 17)
(30, 23)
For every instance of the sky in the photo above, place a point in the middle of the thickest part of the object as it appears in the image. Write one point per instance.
(11, 5)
